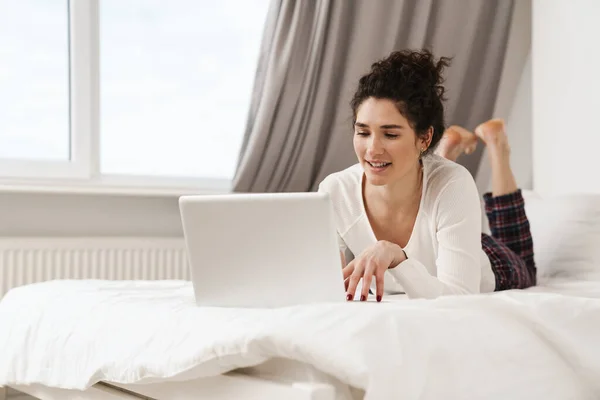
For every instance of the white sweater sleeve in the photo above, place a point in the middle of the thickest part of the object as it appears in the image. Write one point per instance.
(458, 227)
(341, 244)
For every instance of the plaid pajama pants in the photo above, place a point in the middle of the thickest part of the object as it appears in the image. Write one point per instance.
(510, 247)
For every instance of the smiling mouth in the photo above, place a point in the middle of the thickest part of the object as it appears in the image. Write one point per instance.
(379, 165)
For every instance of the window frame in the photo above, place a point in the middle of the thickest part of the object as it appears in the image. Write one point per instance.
(81, 174)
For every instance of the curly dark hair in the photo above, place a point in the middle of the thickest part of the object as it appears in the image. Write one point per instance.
(413, 80)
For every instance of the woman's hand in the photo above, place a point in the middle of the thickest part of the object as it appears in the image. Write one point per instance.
(373, 261)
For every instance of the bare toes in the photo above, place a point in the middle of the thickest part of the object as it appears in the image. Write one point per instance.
(450, 145)
(455, 141)
(491, 132)
(468, 139)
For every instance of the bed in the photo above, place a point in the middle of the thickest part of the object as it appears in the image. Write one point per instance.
(97, 339)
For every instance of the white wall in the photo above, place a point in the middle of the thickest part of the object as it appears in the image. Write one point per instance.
(519, 129)
(43, 214)
(514, 102)
(566, 96)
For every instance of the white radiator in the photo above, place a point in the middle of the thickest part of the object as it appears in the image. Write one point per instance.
(29, 260)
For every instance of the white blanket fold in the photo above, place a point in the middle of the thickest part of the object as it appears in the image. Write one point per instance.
(516, 344)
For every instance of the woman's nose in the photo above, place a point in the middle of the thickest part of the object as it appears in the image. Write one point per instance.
(375, 147)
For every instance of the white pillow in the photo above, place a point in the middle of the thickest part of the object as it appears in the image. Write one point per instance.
(566, 235)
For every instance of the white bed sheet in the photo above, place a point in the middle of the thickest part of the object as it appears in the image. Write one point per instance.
(539, 343)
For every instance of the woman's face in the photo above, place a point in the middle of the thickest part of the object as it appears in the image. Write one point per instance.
(385, 144)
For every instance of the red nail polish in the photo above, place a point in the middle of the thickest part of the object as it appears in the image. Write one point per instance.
(378, 298)
(349, 297)
(362, 297)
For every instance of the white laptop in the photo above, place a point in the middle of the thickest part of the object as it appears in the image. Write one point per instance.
(262, 250)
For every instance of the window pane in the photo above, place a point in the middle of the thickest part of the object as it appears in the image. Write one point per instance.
(34, 79)
(176, 79)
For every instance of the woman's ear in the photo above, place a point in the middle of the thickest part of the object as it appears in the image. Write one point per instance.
(429, 136)
(425, 140)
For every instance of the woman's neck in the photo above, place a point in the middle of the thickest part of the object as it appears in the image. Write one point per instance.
(398, 196)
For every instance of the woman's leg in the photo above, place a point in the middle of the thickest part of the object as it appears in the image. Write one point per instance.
(493, 134)
(510, 270)
(510, 248)
(505, 207)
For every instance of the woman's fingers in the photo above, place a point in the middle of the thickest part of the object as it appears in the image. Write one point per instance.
(379, 279)
(353, 280)
(359, 269)
(348, 270)
(366, 285)
(367, 277)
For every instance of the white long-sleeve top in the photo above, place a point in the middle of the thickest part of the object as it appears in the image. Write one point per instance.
(444, 251)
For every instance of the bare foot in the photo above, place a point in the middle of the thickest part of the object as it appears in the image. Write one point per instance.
(455, 141)
(493, 134)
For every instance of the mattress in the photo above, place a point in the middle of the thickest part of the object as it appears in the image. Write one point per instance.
(569, 287)
(535, 343)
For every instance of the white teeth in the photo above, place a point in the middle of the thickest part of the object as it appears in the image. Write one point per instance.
(379, 165)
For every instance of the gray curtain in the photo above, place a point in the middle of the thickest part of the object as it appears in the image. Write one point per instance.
(313, 53)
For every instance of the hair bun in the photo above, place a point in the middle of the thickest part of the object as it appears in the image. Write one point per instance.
(418, 68)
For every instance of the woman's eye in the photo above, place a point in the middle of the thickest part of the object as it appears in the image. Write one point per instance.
(362, 133)
(391, 135)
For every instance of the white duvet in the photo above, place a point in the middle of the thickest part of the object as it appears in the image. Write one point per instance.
(517, 345)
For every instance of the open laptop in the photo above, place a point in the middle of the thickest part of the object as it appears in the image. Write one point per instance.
(262, 250)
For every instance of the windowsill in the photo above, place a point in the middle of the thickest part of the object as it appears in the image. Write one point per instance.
(120, 186)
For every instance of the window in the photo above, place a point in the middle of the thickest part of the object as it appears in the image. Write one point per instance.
(159, 91)
(34, 80)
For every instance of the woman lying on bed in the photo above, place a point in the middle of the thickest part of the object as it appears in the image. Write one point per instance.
(408, 213)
